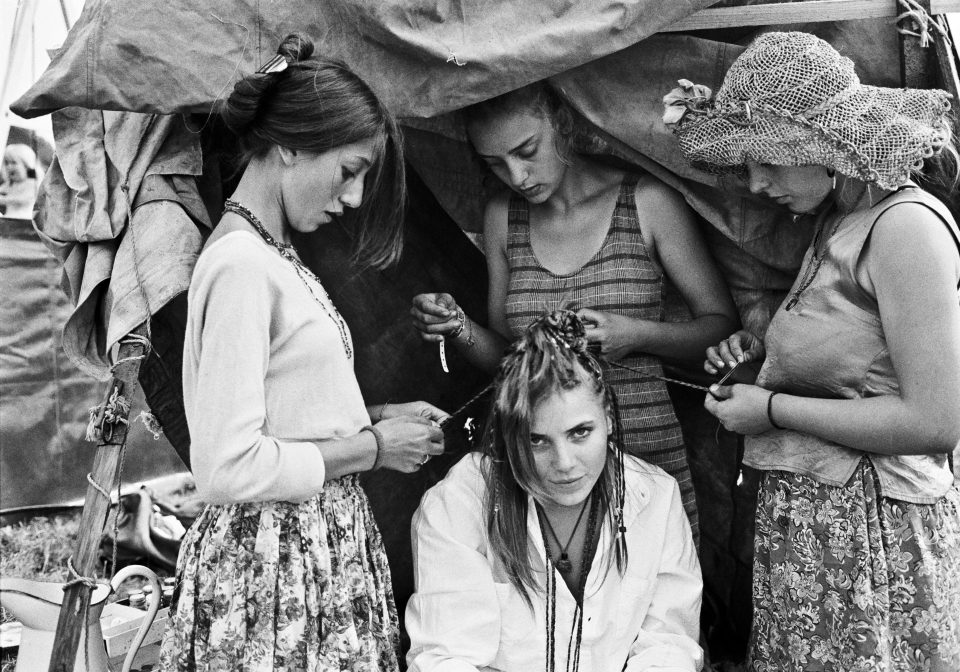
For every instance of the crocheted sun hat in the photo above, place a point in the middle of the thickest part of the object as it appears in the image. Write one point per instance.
(790, 99)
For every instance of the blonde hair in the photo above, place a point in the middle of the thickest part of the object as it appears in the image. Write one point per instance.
(551, 356)
(25, 156)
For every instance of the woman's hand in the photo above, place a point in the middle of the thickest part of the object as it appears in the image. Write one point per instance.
(414, 408)
(740, 347)
(408, 442)
(435, 316)
(617, 335)
(740, 408)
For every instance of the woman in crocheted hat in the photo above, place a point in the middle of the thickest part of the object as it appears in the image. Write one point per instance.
(285, 568)
(551, 549)
(854, 413)
(573, 232)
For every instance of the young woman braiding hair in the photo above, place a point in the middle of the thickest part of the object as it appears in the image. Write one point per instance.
(551, 548)
(285, 568)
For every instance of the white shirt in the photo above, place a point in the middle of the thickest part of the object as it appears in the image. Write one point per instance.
(466, 615)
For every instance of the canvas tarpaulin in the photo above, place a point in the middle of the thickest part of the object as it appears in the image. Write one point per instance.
(429, 58)
(423, 57)
(44, 398)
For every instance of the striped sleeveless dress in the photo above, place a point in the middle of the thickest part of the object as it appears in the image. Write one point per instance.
(620, 278)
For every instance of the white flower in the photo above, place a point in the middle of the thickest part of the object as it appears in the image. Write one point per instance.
(677, 102)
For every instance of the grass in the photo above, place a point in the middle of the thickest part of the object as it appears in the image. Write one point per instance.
(39, 549)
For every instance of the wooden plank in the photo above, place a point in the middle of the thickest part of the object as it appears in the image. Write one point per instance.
(106, 465)
(799, 12)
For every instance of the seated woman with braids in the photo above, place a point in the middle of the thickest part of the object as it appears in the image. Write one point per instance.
(551, 548)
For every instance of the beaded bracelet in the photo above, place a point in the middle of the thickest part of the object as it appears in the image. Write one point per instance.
(380, 443)
(462, 319)
(770, 411)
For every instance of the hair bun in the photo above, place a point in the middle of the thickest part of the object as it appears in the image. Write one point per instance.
(295, 47)
(565, 329)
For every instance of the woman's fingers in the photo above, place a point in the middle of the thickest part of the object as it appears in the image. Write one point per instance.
(440, 305)
(591, 318)
(726, 353)
(713, 362)
(432, 413)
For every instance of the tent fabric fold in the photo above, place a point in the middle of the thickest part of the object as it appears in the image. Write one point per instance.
(426, 58)
(118, 268)
(423, 57)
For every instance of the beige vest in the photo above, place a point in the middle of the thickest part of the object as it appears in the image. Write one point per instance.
(829, 343)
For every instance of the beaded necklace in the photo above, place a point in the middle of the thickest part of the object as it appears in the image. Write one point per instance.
(816, 260)
(819, 251)
(564, 564)
(288, 252)
(576, 634)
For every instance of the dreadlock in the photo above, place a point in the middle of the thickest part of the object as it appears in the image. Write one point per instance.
(550, 357)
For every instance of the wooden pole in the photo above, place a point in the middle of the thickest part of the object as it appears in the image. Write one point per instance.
(916, 64)
(96, 507)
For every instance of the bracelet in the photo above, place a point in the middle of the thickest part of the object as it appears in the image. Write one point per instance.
(463, 320)
(770, 411)
(469, 342)
(379, 438)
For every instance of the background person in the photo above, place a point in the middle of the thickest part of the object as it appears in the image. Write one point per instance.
(551, 549)
(574, 233)
(854, 411)
(20, 180)
(285, 569)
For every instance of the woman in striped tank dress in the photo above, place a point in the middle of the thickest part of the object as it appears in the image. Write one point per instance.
(578, 234)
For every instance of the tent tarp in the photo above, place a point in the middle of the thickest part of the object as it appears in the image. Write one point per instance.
(44, 398)
(423, 57)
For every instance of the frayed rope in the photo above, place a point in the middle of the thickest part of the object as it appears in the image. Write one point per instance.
(150, 421)
(113, 412)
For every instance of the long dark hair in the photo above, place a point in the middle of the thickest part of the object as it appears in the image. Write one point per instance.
(317, 105)
(551, 356)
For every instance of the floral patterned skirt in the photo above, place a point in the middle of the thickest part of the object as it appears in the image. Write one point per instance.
(847, 580)
(284, 586)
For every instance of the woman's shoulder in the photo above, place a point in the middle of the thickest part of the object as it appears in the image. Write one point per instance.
(239, 249)
(456, 502)
(237, 259)
(913, 219)
(496, 213)
(647, 482)
(651, 192)
(464, 480)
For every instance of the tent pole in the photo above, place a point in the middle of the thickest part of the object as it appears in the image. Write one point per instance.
(948, 63)
(96, 506)
(66, 14)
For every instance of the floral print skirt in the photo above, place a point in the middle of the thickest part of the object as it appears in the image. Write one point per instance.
(847, 580)
(284, 586)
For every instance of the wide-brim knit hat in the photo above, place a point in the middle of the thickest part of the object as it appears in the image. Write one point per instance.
(791, 99)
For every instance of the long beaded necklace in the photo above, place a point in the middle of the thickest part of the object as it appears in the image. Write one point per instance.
(816, 257)
(576, 635)
(819, 247)
(288, 252)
